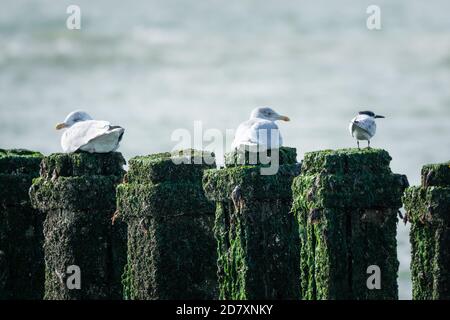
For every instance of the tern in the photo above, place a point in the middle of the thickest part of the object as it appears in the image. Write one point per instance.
(363, 126)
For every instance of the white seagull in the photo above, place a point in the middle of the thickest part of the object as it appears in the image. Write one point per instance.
(363, 126)
(85, 134)
(260, 130)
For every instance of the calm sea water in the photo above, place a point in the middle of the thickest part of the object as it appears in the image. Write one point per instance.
(155, 66)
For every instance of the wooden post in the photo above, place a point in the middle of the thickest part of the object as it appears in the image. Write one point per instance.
(257, 236)
(84, 252)
(171, 249)
(346, 202)
(21, 238)
(428, 211)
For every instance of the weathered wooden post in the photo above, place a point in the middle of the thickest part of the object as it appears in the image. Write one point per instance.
(84, 252)
(346, 202)
(257, 236)
(171, 248)
(21, 238)
(428, 211)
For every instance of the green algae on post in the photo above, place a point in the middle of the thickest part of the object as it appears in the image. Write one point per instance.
(348, 191)
(171, 248)
(436, 175)
(428, 211)
(19, 161)
(252, 185)
(76, 192)
(169, 166)
(346, 203)
(82, 164)
(347, 161)
(21, 254)
(243, 156)
(257, 236)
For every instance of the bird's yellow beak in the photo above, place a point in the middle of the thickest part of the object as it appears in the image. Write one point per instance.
(284, 118)
(60, 126)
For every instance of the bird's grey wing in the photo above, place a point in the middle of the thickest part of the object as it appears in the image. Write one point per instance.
(81, 133)
(121, 131)
(351, 126)
(367, 124)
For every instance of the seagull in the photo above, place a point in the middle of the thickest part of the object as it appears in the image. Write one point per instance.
(363, 126)
(85, 134)
(258, 130)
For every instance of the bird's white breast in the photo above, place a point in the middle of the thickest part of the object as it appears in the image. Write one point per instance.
(261, 132)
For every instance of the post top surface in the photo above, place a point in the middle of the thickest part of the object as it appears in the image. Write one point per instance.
(19, 161)
(243, 156)
(82, 163)
(348, 152)
(174, 166)
(188, 154)
(14, 153)
(347, 161)
(437, 174)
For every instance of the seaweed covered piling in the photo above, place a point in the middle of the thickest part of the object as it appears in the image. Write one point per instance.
(171, 247)
(346, 202)
(21, 238)
(256, 234)
(428, 211)
(85, 253)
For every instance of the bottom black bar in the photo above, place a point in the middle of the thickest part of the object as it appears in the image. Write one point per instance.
(263, 309)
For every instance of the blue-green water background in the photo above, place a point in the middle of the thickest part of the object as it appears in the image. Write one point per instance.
(154, 66)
